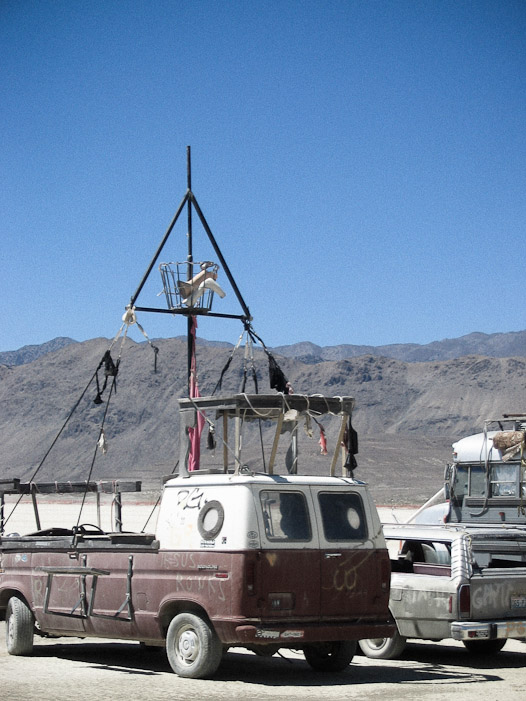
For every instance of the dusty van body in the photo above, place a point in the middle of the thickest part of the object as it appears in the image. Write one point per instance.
(237, 559)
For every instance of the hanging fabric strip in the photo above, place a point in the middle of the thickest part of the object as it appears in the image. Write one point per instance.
(350, 445)
(129, 318)
(322, 441)
(194, 433)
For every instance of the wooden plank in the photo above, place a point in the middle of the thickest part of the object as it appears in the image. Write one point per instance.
(338, 445)
(74, 570)
(275, 445)
(225, 442)
(105, 486)
(269, 406)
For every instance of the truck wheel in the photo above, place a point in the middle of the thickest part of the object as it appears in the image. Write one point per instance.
(192, 646)
(383, 648)
(330, 657)
(484, 647)
(19, 628)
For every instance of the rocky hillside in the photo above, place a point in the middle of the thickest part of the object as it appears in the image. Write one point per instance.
(407, 414)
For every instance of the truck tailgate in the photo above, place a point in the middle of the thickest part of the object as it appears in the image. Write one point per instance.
(498, 594)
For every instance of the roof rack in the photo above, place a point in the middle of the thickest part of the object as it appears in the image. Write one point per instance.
(286, 410)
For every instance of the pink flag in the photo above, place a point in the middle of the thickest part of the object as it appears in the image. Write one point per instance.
(194, 433)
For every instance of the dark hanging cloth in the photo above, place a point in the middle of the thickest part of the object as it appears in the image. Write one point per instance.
(278, 380)
(350, 442)
(223, 371)
(110, 370)
(211, 440)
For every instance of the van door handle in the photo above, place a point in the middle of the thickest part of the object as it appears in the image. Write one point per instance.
(329, 555)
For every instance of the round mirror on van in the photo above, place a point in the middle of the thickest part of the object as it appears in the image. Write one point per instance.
(210, 520)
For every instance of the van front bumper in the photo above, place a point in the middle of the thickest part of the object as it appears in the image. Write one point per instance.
(488, 630)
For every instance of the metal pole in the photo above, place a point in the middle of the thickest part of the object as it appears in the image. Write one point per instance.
(220, 256)
(189, 320)
(158, 252)
(118, 510)
(35, 505)
(2, 520)
(189, 188)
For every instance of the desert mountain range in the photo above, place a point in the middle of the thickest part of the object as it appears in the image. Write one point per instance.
(496, 345)
(412, 402)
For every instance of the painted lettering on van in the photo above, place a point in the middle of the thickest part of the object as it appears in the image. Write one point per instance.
(344, 578)
(172, 561)
(38, 590)
(191, 498)
(213, 588)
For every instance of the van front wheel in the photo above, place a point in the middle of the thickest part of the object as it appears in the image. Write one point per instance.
(192, 646)
(20, 626)
(330, 657)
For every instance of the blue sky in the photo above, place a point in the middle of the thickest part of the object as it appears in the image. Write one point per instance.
(360, 163)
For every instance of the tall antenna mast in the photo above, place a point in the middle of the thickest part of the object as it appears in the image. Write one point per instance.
(176, 302)
(190, 319)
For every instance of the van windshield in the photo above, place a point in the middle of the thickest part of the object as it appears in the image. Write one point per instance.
(286, 515)
(342, 516)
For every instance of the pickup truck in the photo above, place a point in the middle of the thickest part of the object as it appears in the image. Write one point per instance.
(455, 581)
(262, 561)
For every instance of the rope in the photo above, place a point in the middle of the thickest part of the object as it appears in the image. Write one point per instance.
(101, 434)
(257, 412)
(248, 364)
(32, 478)
(227, 364)
(487, 474)
(332, 413)
(129, 318)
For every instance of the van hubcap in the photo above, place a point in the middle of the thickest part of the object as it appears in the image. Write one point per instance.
(188, 646)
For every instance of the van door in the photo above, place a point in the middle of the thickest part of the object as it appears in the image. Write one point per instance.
(352, 568)
(288, 575)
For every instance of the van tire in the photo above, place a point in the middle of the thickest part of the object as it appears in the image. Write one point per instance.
(484, 647)
(330, 657)
(193, 648)
(20, 627)
(383, 648)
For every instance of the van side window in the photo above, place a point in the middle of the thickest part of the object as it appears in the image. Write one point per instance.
(342, 516)
(421, 557)
(286, 515)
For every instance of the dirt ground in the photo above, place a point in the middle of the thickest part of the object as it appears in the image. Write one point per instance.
(103, 669)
